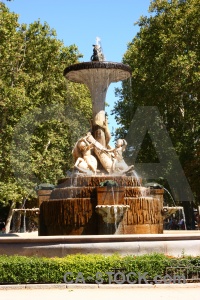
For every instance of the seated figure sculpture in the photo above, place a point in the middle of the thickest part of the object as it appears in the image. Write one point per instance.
(84, 161)
(110, 158)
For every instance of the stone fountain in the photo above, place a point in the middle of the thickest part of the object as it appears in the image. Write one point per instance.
(102, 207)
(103, 195)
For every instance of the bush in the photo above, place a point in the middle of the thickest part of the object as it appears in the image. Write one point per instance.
(21, 269)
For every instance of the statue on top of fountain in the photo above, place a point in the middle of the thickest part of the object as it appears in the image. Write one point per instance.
(97, 53)
(110, 158)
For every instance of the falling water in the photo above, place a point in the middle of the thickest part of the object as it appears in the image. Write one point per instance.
(107, 228)
(112, 215)
(170, 196)
(24, 222)
(137, 177)
(144, 191)
(183, 213)
(73, 178)
(113, 194)
(115, 216)
(115, 208)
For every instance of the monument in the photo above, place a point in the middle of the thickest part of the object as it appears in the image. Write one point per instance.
(103, 195)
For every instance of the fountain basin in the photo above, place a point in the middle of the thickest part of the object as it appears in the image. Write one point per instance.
(79, 72)
(170, 210)
(111, 213)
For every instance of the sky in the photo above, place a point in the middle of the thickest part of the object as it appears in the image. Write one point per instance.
(80, 22)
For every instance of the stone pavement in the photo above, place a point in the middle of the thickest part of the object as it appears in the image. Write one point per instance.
(101, 292)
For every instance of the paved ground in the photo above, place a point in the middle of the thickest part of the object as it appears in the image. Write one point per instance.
(118, 293)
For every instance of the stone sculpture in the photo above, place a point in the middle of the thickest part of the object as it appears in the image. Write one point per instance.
(110, 158)
(97, 53)
(85, 162)
(120, 165)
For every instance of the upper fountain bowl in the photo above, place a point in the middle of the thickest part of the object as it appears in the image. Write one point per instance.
(117, 71)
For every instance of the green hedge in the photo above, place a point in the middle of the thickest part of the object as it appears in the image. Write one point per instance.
(20, 269)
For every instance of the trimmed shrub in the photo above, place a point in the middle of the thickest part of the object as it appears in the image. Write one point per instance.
(84, 268)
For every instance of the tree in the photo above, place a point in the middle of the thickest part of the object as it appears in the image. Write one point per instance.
(164, 57)
(41, 116)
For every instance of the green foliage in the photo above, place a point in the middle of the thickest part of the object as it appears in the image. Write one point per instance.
(41, 114)
(20, 269)
(164, 57)
(154, 264)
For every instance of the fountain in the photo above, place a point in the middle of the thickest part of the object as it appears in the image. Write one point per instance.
(80, 204)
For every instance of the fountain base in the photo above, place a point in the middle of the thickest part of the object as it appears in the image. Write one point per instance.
(71, 208)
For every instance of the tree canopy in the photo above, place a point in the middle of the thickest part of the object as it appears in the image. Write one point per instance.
(42, 116)
(164, 57)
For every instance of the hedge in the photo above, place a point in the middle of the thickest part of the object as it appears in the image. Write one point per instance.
(21, 270)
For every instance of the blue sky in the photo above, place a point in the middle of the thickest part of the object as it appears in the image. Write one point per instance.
(79, 22)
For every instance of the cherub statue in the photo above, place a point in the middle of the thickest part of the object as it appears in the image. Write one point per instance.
(119, 163)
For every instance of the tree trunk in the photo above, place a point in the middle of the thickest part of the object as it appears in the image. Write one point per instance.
(9, 217)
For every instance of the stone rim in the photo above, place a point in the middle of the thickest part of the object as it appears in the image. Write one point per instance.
(97, 65)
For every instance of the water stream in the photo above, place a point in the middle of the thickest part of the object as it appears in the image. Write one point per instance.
(115, 216)
(183, 215)
(170, 196)
(137, 177)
